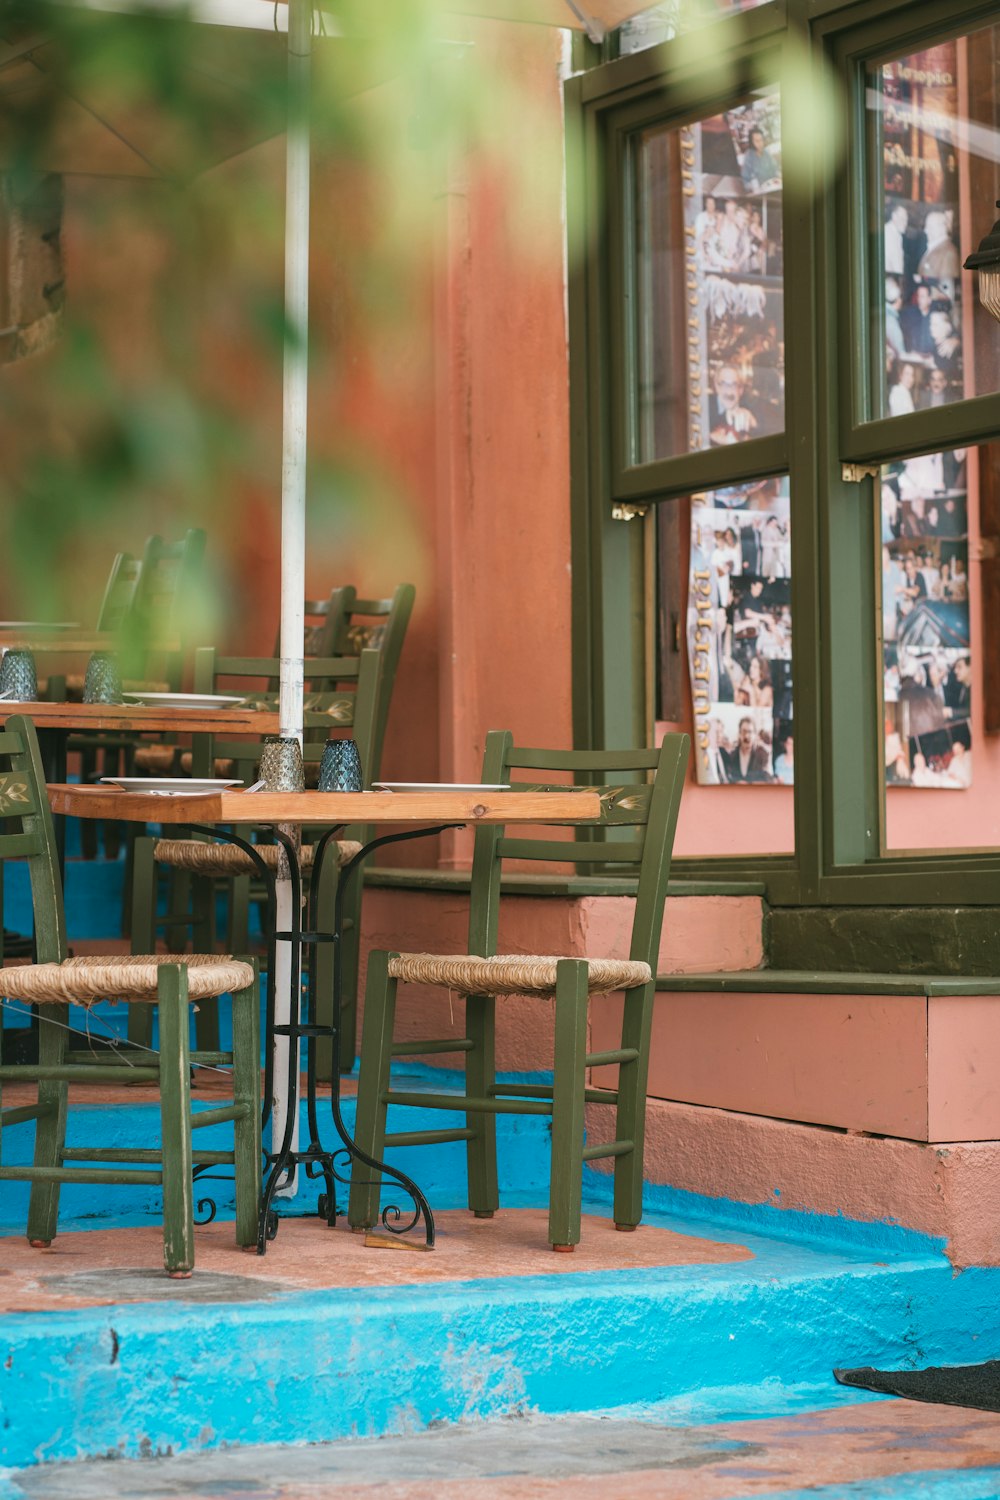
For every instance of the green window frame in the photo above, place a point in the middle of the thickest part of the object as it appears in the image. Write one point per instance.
(829, 438)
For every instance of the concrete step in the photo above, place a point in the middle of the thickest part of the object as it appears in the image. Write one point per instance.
(325, 1339)
(870, 1095)
(896, 1055)
(871, 1450)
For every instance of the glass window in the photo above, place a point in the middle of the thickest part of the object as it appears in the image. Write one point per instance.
(738, 641)
(942, 773)
(932, 117)
(710, 303)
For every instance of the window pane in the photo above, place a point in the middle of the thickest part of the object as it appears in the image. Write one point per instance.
(710, 302)
(933, 117)
(661, 23)
(942, 774)
(738, 640)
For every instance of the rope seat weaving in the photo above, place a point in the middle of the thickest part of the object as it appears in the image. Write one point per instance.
(155, 758)
(513, 973)
(83, 981)
(227, 859)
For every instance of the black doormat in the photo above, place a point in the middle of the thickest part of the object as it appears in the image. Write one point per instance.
(950, 1385)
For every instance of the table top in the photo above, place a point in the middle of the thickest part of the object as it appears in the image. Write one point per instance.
(136, 718)
(574, 805)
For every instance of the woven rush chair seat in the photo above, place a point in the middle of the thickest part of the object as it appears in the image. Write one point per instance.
(85, 981)
(228, 859)
(512, 973)
(156, 759)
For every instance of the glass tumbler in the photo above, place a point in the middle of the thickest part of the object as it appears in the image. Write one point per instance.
(103, 682)
(18, 679)
(340, 768)
(281, 765)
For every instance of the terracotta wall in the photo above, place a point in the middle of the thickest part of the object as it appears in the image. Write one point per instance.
(438, 414)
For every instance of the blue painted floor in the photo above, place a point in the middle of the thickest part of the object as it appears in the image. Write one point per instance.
(669, 1364)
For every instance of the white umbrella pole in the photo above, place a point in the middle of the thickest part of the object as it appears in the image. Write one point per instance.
(293, 499)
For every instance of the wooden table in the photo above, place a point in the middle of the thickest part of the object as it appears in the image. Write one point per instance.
(55, 723)
(143, 718)
(207, 811)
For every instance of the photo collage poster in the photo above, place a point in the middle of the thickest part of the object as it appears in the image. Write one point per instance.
(733, 248)
(739, 634)
(925, 622)
(921, 258)
(739, 625)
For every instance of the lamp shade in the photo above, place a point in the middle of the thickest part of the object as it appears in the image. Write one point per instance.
(986, 260)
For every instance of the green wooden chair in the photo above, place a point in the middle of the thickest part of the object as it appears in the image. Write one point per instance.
(196, 865)
(638, 830)
(171, 982)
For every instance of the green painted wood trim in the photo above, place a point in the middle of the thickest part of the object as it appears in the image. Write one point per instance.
(556, 885)
(18, 1114)
(428, 1137)
(611, 1148)
(81, 1174)
(468, 1104)
(428, 1049)
(142, 1153)
(815, 982)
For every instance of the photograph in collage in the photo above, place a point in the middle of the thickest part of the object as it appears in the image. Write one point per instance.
(927, 661)
(739, 631)
(918, 110)
(733, 254)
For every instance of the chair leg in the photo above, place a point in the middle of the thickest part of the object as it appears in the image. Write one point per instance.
(177, 924)
(480, 1078)
(50, 1129)
(630, 1117)
(203, 940)
(568, 1100)
(175, 1114)
(246, 1092)
(373, 1081)
(143, 940)
(238, 931)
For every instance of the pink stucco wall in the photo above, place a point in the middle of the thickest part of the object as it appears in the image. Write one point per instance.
(899, 1065)
(700, 932)
(951, 1192)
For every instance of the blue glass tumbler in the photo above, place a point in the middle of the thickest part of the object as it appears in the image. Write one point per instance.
(340, 768)
(18, 679)
(103, 682)
(281, 767)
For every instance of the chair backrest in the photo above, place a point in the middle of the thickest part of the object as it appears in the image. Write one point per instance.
(119, 593)
(350, 705)
(168, 574)
(640, 816)
(24, 804)
(344, 625)
(156, 622)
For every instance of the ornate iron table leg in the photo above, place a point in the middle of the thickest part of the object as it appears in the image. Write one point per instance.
(316, 1159)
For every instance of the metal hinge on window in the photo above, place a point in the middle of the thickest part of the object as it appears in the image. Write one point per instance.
(854, 473)
(624, 510)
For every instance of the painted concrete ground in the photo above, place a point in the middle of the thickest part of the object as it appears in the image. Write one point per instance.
(881, 1450)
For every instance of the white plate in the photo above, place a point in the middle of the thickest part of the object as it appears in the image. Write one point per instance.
(185, 700)
(440, 786)
(70, 624)
(170, 786)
